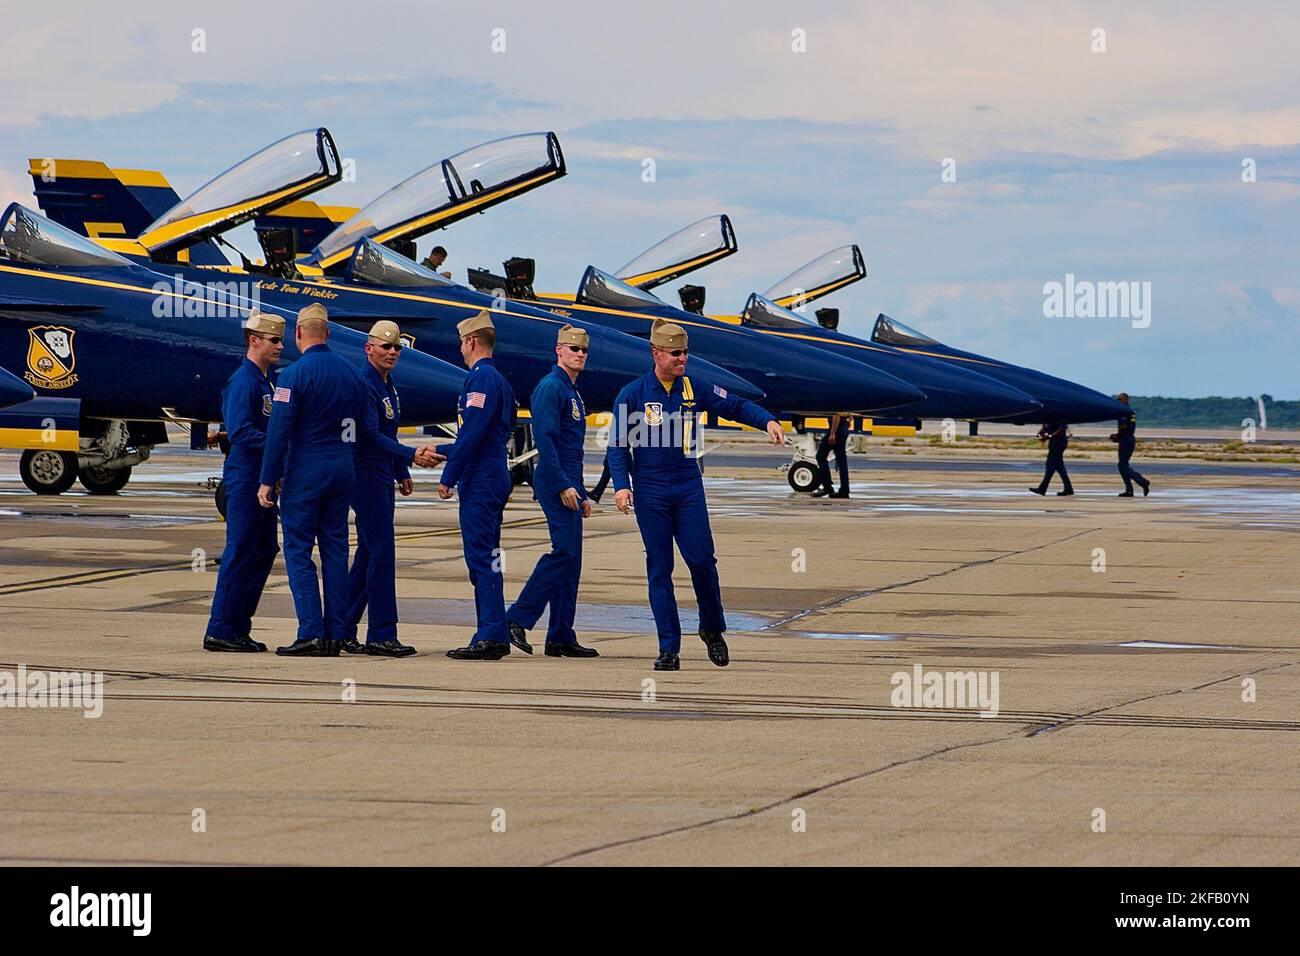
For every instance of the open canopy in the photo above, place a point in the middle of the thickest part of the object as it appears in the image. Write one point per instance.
(374, 264)
(889, 331)
(762, 311)
(601, 288)
(282, 172)
(828, 272)
(28, 237)
(684, 251)
(447, 191)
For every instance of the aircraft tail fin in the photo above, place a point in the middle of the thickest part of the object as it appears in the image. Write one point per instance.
(310, 222)
(87, 196)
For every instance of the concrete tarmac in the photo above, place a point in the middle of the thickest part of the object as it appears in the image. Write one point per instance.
(1146, 655)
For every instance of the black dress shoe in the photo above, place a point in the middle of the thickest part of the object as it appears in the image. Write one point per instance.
(309, 647)
(575, 649)
(820, 493)
(1146, 489)
(717, 647)
(1038, 491)
(237, 644)
(257, 644)
(668, 662)
(519, 638)
(393, 648)
(1125, 494)
(1064, 494)
(839, 494)
(482, 651)
(353, 646)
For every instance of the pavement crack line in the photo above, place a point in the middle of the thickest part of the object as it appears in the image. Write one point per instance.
(854, 595)
(741, 815)
(1077, 718)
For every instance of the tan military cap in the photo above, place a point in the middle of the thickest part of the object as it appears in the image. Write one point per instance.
(667, 335)
(475, 323)
(264, 324)
(313, 311)
(386, 331)
(571, 335)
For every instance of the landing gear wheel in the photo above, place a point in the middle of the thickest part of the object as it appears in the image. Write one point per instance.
(48, 472)
(221, 498)
(103, 481)
(803, 476)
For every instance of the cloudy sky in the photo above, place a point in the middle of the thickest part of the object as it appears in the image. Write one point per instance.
(1122, 165)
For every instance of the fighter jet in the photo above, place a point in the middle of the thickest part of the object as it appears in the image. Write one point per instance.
(114, 352)
(359, 278)
(1054, 399)
(947, 392)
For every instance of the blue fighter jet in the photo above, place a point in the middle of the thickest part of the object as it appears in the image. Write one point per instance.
(355, 271)
(1054, 399)
(114, 352)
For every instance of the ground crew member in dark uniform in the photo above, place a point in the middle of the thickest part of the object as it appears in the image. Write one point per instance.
(1126, 436)
(559, 420)
(476, 467)
(1057, 438)
(251, 544)
(317, 413)
(381, 462)
(836, 440)
(654, 445)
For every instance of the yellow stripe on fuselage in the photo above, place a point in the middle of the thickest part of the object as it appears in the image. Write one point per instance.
(65, 439)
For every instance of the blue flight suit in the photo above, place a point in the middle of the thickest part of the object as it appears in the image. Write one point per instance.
(654, 442)
(251, 544)
(476, 467)
(559, 420)
(318, 412)
(1127, 445)
(381, 460)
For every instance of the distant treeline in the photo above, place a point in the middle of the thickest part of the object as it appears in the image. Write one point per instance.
(1214, 412)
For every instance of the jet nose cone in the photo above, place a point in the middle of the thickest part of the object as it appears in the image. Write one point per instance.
(13, 390)
(839, 384)
(429, 388)
(717, 375)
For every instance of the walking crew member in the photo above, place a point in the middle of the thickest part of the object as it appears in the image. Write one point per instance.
(559, 428)
(251, 544)
(654, 445)
(381, 461)
(476, 467)
(318, 407)
(1126, 436)
(1057, 438)
(836, 440)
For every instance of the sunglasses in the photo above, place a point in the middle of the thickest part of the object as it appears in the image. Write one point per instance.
(676, 353)
(273, 339)
(578, 348)
(389, 346)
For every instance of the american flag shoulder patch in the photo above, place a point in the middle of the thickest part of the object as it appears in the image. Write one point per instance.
(281, 394)
(719, 391)
(475, 399)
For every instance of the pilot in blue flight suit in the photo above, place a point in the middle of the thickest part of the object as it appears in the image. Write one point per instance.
(655, 443)
(317, 413)
(559, 420)
(476, 467)
(381, 462)
(1126, 436)
(251, 543)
